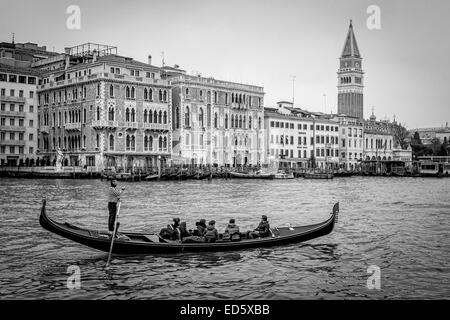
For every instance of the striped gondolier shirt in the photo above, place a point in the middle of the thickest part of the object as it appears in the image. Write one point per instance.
(114, 194)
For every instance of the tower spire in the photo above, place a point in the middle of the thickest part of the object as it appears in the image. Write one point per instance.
(350, 45)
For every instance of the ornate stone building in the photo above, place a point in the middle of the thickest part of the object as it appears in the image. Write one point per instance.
(216, 122)
(104, 110)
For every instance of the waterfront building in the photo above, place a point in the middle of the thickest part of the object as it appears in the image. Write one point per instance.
(301, 139)
(18, 101)
(350, 78)
(216, 122)
(103, 110)
(18, 115)
(351, 141)
(427, 135)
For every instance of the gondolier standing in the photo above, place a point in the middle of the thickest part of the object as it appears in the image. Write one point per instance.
(113, 198)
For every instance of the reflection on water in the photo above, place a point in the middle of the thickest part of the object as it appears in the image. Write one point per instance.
(400, 225)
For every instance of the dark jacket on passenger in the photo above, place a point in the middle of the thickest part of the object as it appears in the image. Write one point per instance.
(263, 229)
(211, 234)
(201, 229)
(183, 233)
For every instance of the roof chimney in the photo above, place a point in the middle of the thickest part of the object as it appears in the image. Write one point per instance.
(149, 59)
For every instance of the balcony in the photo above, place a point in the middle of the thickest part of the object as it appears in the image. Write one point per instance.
(156, 126)
(72, 126)
(132, 125)
(44, 129)
(12, 142)
(16, 114)
(12, 99)
(104, 124)
(13, 128)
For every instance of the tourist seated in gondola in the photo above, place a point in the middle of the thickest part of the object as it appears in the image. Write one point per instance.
(201, 228)
(211, 234)
(231, 232)
(262, 231)
(171, 232)
(183, 232)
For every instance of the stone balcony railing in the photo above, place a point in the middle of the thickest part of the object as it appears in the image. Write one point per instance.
(18, 114)
(105, 124)
(132, 125)
(156, 126)
(12, 99)
(12, 142)
(13, 128)
(73, 126)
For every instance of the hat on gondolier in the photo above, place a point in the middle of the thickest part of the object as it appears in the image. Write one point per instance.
(264, 217)
(212, 222)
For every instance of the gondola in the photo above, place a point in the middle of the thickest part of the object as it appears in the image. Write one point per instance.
(141, 243)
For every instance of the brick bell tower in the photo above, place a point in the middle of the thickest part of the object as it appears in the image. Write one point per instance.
(350, 78)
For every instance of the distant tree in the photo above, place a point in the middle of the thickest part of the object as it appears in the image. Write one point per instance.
(401, 135)
(443, 151)
(416, 139)
(435, 145)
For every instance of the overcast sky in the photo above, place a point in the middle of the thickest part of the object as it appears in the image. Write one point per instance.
(265, 42)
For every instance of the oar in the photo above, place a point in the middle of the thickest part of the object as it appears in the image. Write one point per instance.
(114, 233)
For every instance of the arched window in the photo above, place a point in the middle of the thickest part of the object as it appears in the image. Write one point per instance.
(165, 117)
(127, 115)
(132, 92)
(160, 143)
(160, 95)
(150, 94)
(111, 91)
(165, 143)
(160, 116)
(111, 143)
(84, 116)
(177, 117)
(133, 115)
(145, 94)
(215, 120)
(200, 117)
(133, 143)
(232, 97)
(186, 117)
(232, 121)
(249, 122)
(98, 113)
(150, 143)
(226, 121)
(128, 143)
(127, 92)
(98, 89)
(240, 121)
(243, 123)
(98, 141)
(259, 123)
(165, 96)
(145, 116)
(150, 116)
(155, 116)
(111, 114)
(145, 143)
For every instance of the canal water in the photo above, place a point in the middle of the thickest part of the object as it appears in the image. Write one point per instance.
(399, 225)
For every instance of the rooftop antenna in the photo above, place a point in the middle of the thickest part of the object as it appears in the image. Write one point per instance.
(293, 90)
(13, 38)
(325, 102)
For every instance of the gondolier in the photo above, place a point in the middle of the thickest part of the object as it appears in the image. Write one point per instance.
(113, 198)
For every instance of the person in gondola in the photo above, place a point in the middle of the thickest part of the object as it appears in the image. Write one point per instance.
(113, 198)
(231, 232)
(211, 234)
(262, 231)
(171, 231)
(183, 232)
(201, 228)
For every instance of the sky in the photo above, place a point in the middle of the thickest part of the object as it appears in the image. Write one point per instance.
(266, 42)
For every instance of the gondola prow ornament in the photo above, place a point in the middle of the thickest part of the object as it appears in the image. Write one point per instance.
(336, 212)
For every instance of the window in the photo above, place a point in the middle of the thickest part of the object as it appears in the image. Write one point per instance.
(186, 117)
(12, 78)
(30, 137)
(31, 94)
(111, 91)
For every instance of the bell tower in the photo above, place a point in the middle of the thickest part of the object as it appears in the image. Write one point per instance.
(350, 78)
